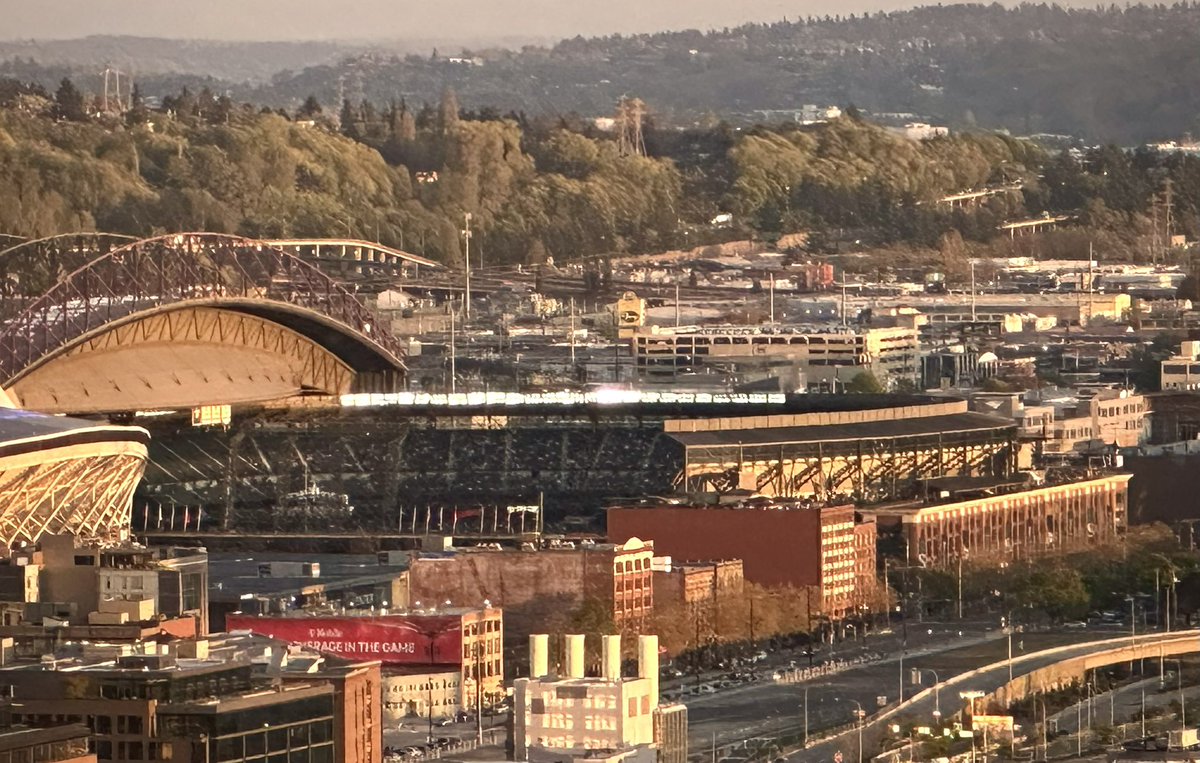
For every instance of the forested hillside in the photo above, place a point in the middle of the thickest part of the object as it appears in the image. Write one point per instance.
(539, 187)
(1113, 74)
(1123, 74)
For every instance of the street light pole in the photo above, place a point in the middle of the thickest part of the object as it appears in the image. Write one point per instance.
(1132, 618)
(1079, 729)
(1045, 748)
(937, 692)
(466, 234)
(1008, 629)
(806, 717)
(860, 714)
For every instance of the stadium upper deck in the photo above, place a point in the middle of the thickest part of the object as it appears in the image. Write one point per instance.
(392, 454)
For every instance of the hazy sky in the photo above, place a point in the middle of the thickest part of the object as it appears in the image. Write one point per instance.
(392, 19)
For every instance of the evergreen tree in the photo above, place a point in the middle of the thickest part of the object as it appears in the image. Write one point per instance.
(311, 108)
(347, 121)
(138, 113)
(447, 111)
(68, 102)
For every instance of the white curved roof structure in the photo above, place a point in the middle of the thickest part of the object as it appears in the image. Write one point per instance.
(63, 475)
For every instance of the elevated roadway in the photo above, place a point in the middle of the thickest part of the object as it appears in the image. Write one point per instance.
(1031, 672)
(773, 715)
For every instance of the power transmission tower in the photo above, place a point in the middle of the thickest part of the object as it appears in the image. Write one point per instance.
(113, 76)
(631, 113)
(1167, 204)
(1161, 211)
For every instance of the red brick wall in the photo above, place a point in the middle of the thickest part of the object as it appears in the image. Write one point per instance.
(776, 546)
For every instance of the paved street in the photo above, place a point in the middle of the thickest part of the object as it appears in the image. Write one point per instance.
(771, 710)
(954, 662)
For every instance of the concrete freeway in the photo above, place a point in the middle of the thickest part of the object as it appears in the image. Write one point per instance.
(769, 711)
(957, 665)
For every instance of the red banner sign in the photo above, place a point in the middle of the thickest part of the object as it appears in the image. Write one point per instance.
(391, 639)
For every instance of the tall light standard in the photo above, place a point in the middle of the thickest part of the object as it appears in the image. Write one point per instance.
(860, 715)
(1006, 624)
(1132, 617)
(1045, 749)
(806, 717)
(937, 692)
(1182, 703)
(466, 234)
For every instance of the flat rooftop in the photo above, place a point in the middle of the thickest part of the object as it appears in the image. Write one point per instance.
(233, 575)
(867, 431)
(988, 490)
(19, 737)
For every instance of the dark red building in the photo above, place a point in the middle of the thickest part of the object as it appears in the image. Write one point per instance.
(780, 544)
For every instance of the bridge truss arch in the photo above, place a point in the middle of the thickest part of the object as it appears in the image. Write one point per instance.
(188, 272)
(29, 267)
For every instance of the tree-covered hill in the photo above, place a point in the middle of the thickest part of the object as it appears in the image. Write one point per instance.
(1119, 74)
(557, 187)
(1123, 74)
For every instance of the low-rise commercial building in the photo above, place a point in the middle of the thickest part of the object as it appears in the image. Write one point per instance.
(64, 589)
(68, 743)
(1182, 370)
(695, 588)
(801, 544)
(434, 659)
(268, 583)
(536, 587)
(990, 522)
(1072, 424)
(232, 699)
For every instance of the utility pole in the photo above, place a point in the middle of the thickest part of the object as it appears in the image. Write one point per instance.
(478, 690)
(676, 304)
(453, 353)
(752, 619)
(972, 308)
(960, 602)
(572, 340)
(466, 234)
(772, 299)
(806, 717)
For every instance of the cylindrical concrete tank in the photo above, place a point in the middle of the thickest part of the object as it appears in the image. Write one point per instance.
(539, 655)
(648, 664)
(612, 658)
(575, 655)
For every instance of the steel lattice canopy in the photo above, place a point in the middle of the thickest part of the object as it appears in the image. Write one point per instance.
(64, 475)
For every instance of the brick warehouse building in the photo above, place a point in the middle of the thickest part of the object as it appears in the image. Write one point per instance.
(780, 544)
(696, 587)
(534, 587)
(998, 522)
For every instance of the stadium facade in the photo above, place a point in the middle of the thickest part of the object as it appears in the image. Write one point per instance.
(427, 465)
(61, 475)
